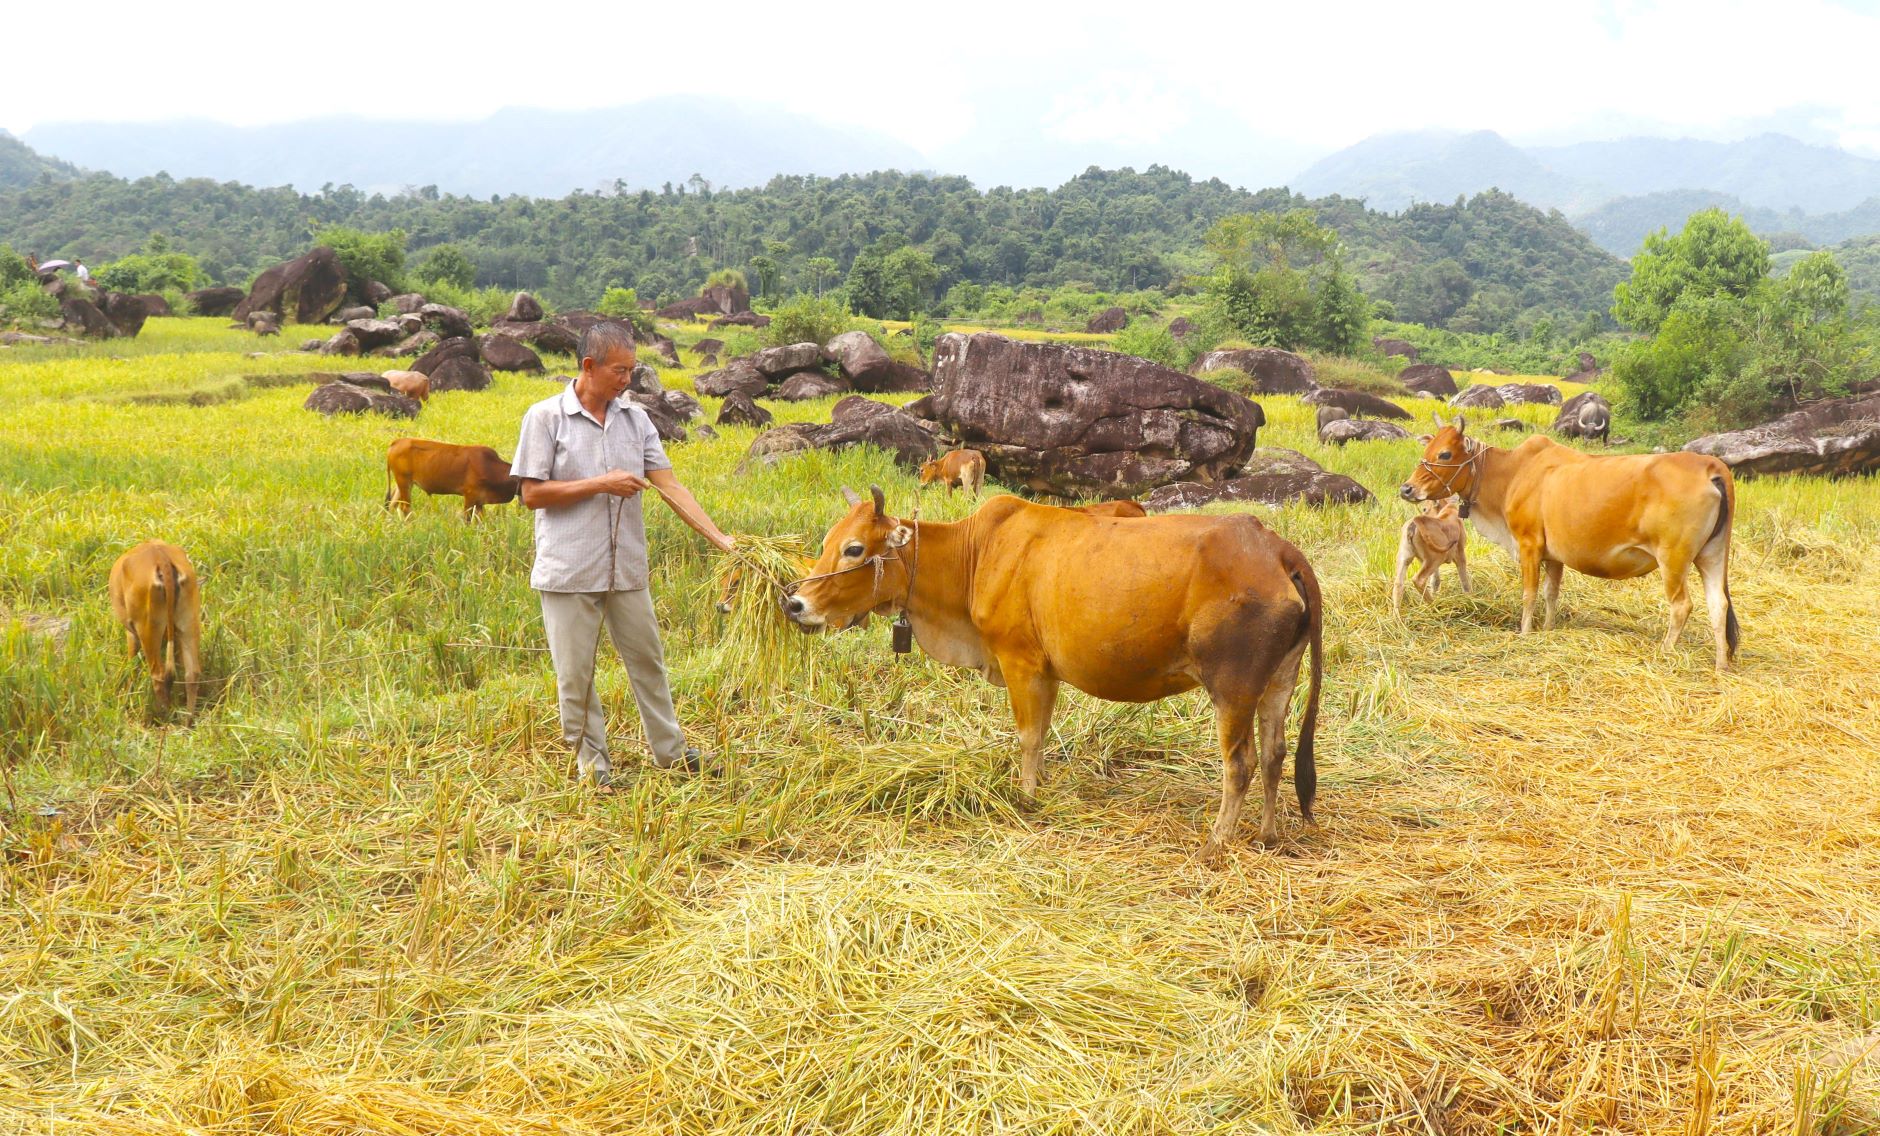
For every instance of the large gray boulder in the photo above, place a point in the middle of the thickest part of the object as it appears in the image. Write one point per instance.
(449, 322)
(1402, 348)
(306, 289)
(456, 347)
(739, 410)
(214, 301)
(855, 421)
(1361, 430)
(1428, 378)
(1357, 403)
(1108, 320)
(739, 376)
(523, 309)
(342, 397)
(1533, 394)
(1080, 422)
(460, 373)
(376, 333)
(1272, 477)
(806, 385)
(502, 353)
(1478, 398)
(554, 338)
(1273, 371)
(779, 363)
(1834, 438)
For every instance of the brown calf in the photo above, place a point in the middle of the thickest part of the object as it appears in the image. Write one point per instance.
(157, 598)
(962, 469)
(1435, 538)
(475, 473)
(411, 384)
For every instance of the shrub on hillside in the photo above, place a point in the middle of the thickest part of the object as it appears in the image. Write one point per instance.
(1231, 378)
(26, 303)
(13, 268)
(366, 256)
(1149, 341)
(151, 272)
(447, 264)
(804, 318)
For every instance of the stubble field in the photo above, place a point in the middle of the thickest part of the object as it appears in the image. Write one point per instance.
(1561, 883)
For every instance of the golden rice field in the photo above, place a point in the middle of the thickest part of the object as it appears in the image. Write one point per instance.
(1565, 883)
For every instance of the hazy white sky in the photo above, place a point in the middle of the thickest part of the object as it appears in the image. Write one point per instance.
(1324, 74)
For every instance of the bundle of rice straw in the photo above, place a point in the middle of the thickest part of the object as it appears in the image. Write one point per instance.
(761, 647)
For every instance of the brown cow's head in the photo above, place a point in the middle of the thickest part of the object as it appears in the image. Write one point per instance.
(931, 472)
(859, 571)
(504, 486)
(1448, 467)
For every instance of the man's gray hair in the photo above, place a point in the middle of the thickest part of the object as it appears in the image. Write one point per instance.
(605, 338)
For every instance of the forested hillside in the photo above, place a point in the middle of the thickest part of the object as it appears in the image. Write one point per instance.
(1481, 265)
(20, 164)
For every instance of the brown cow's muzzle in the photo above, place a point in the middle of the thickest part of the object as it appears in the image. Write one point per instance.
(1410, 492)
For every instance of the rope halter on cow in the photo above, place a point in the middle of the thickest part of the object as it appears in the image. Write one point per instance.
(1474, 450)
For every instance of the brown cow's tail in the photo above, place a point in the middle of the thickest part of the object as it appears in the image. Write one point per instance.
(1305, 768)
(1726, 496)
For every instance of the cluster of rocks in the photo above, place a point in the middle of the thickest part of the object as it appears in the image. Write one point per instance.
(1337, 426)
(1271, 477)
(1833, 438)
(797, 372)
(718, 300)
(854, 421)
(1486, 397)
(1273, 371)
(1075, 421)
(1428, 379)
(90, 312)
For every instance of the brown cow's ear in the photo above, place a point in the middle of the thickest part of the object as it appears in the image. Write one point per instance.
(851, 496)
(1426, 439)
(881, 500)
(900, 536)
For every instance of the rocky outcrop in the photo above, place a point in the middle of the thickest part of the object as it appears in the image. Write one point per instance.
(1478, 398)
(739, 410)
(1361, 430)
(543, 336)
(343, 342)
(154, 305)
(82, 317)
(719, 299)
(447, 321)
(1107, 321)
(306, 289)
(344, 397)
(1586, 415)
(501, 353)
(1835, 438)
(806, 385)
(1273, 371)
(416, 344)
(645, 380)
(742, 319)
(1180, 328)
(408, 303)
(1272, 477)
(375, 333)
(665, 420)
(779, 363)
(1357, 403)
(376, 293)
(1079, 422)
(740, 376)
(460, 373)
(714, 346)
(353, 312)
(457, 347)
(682, 404)
(214, 301)
(855, 421)
(524, 309)
(1532, 394)
(1428, 378)
(1401, 348)
(127, 313)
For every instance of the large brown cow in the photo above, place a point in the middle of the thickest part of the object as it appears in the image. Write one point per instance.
(1125, 609)
(475, 473)
(1615, 517)
(156, 597)
(731, 577)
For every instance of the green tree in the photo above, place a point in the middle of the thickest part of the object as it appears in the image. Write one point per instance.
(366, 257)
(867, 284)
(766, 268)
(1715, 255)
(1279, 281)
(450, 264)
(820, 268)
(910, 279)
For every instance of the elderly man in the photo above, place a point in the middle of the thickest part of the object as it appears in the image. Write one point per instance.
(584, 458)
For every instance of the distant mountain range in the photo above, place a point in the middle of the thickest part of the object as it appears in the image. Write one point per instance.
(20, 164)
(1618, 191)
(544, 153)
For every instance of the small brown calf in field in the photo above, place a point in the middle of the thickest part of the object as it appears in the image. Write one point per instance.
(963, 469)
(1435, 538)
(157, 598)
(475, 473)
(411, 384)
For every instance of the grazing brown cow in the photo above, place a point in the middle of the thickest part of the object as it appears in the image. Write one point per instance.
(1435, 538)
(411, 384)
(475, 473)
(1615, 517)
(1128, 610)
(961, 469)
(156, 597)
